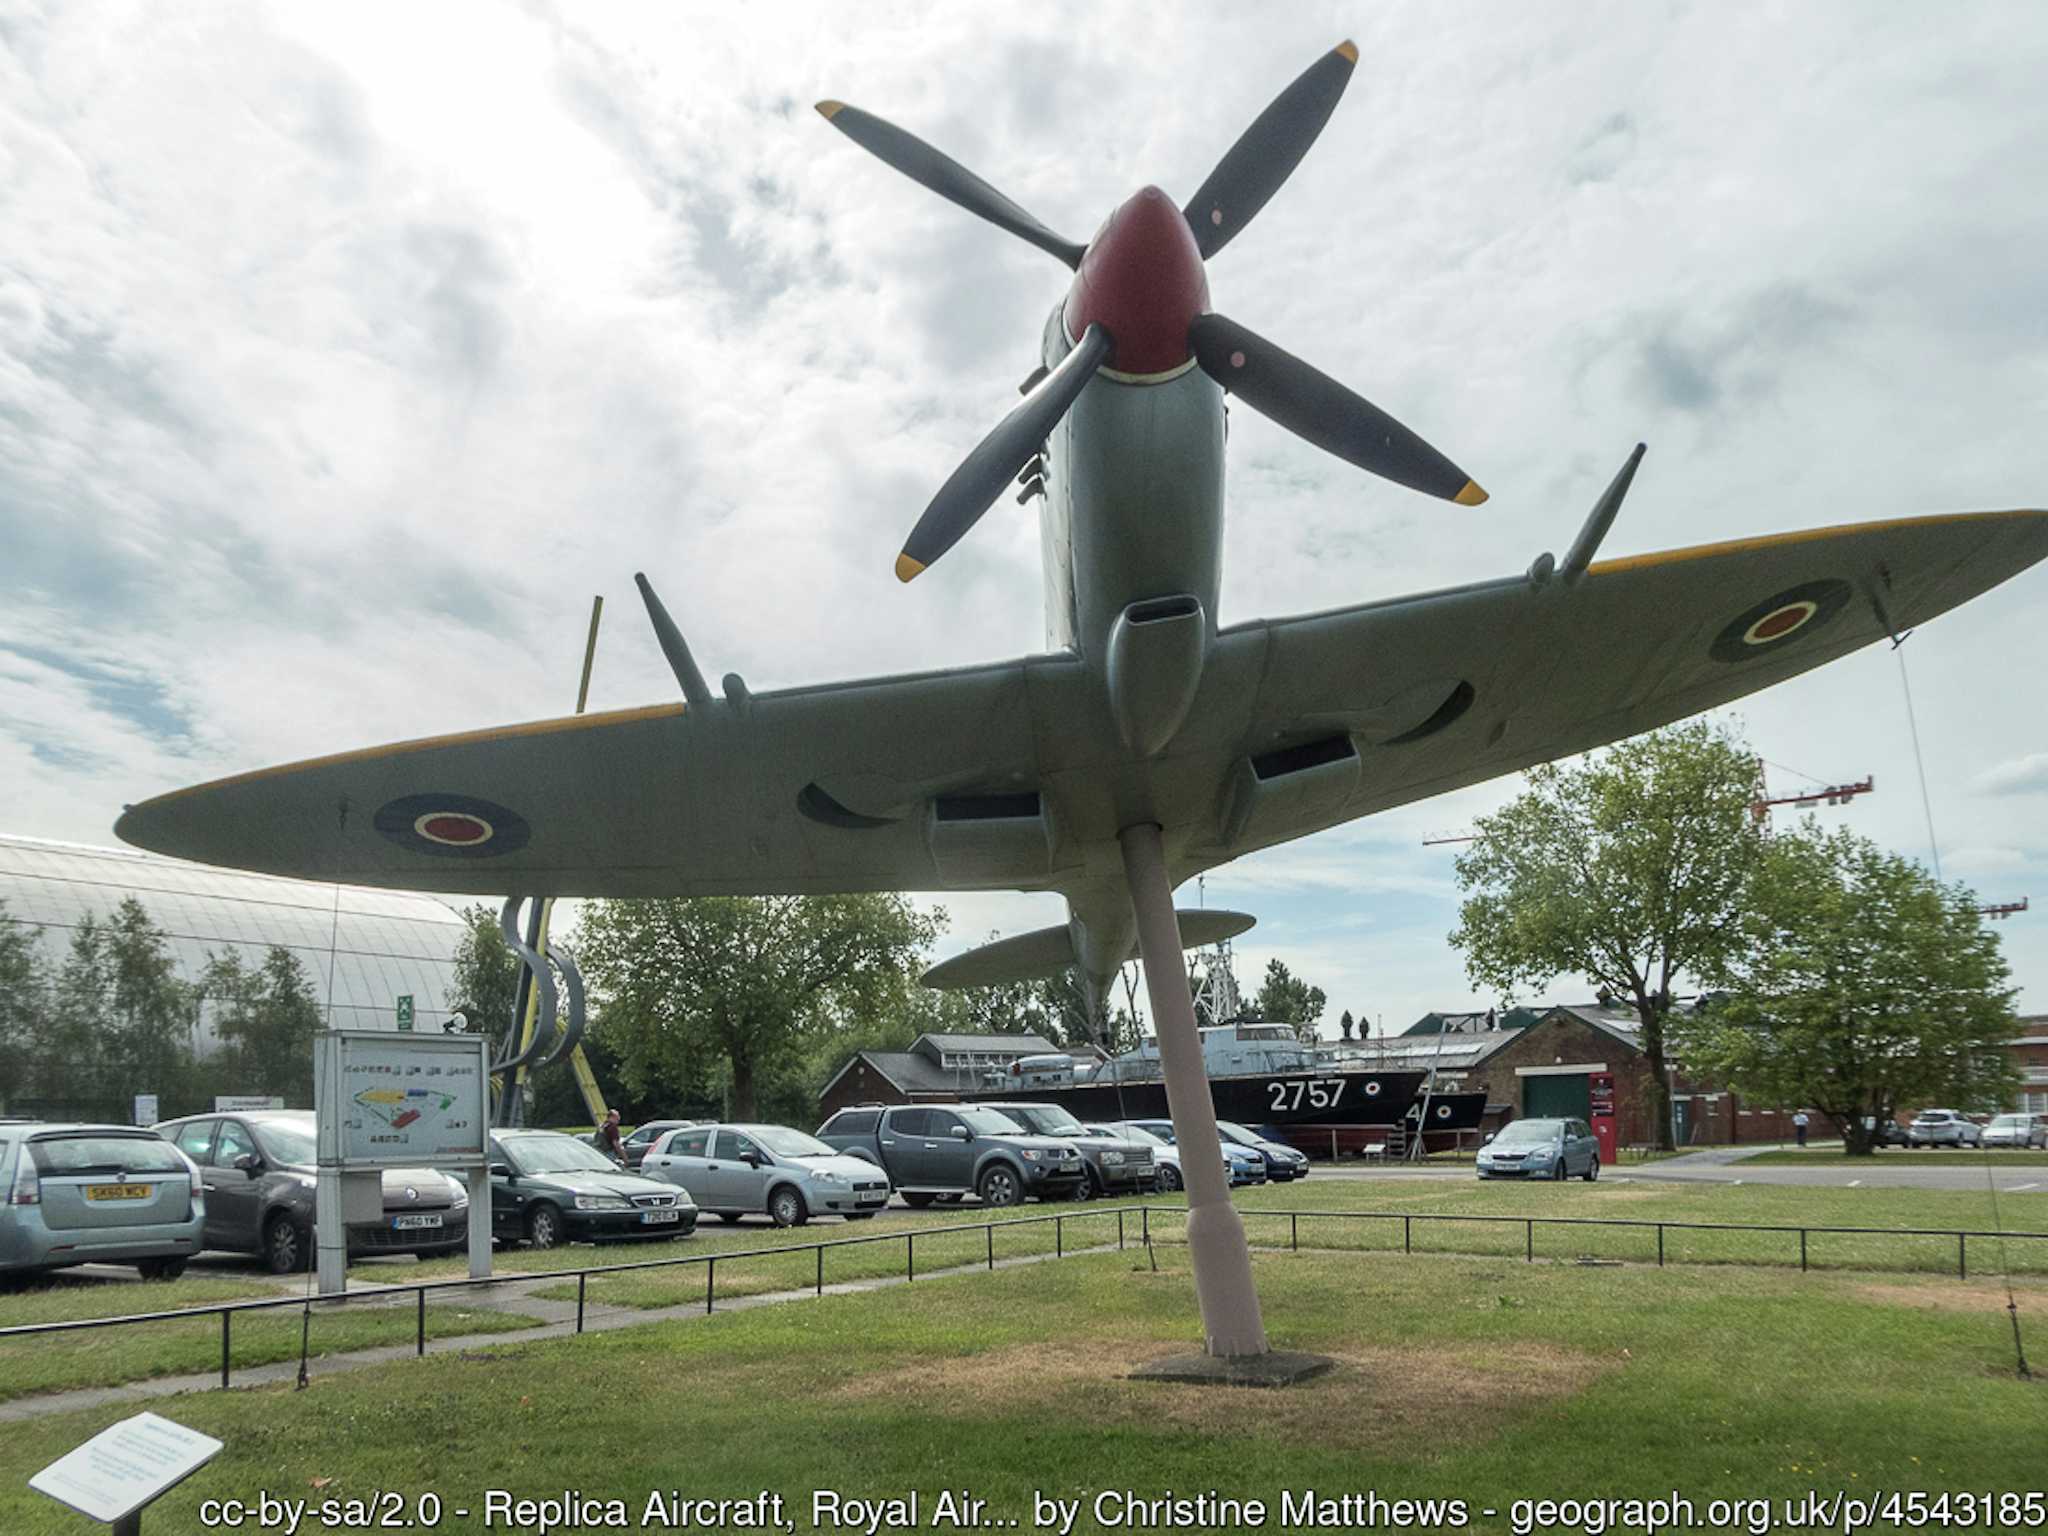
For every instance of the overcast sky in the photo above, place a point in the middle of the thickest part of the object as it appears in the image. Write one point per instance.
(346, 351)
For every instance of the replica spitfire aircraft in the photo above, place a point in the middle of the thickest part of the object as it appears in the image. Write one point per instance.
(1149, 742)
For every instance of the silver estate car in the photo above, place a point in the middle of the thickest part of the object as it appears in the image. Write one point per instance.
(739, 1170)
(2017, 1131)
(1542, 1149)
(91, 1194)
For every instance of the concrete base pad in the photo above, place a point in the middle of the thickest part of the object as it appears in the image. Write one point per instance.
(1275, 1368)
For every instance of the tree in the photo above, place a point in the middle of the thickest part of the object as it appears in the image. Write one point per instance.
(702, 990)
(1867, 987)
(486, 974)
(266, 1017)
(1285, 998)
(22, 1001)
(1630, 868)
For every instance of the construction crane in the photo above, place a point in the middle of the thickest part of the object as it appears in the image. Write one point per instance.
(1761, 805)
(2003, 909)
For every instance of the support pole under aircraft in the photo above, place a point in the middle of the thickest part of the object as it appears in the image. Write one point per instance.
(1216, 1243)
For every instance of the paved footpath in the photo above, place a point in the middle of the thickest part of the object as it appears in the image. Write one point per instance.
(1724, 1165)
(558, 1321)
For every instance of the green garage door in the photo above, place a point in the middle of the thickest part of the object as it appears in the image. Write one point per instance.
(1563, 1096)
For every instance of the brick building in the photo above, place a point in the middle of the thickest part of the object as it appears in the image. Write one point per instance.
(935, 1068)
(1544, 1061)
(2030, 1054)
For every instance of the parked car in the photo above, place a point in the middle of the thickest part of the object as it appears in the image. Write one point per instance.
(637, 1145)
(1282, 1161)
(1114, 1166)
(548, 1188)
(1166, 1175)
(1888, 1134)
(1242, 1164)
(1944, 1128)
(258, 1167)
(739, 1170)
(2017, 1131)
(1541, 1149)
(931, 1151)
(97, 1194)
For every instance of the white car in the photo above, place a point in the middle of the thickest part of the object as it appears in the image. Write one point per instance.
(1943, 1128)
(2017, 1131)
(738, 1170)
(1241, 1164)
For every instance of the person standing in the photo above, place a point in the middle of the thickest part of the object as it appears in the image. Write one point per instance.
(609, 1142)
(1798, 1126)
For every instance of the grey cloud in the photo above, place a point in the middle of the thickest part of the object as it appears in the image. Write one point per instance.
(125, 692)
(1697, 363)
(1604, 151)
(2021, 776)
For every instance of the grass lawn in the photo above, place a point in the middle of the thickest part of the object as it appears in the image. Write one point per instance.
(1476, 1380)
(1919, 1157)
(99, 1356)
(1088, 1225)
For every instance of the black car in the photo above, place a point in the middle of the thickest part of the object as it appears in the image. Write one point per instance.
(548, 1189)
(260, 1176)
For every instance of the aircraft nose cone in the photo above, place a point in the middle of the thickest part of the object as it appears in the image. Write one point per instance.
(1142, 281)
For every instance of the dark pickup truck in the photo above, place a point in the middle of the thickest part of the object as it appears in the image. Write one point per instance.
(933, 1151)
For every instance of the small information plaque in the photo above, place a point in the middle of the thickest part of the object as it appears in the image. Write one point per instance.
(125, 1466)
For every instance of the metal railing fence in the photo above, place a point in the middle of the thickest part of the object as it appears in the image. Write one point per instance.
(1408, 1221)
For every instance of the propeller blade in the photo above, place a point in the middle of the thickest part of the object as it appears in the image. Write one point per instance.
(945, 176)
(1312, 405)
(984, 473)
(1267, 153)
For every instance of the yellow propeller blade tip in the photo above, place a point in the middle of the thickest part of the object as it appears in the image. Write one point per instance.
(907, 568)
(830, 109)
(1471, 496)
(1349, 50)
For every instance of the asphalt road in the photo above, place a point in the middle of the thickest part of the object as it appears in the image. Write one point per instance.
(1723, 1165)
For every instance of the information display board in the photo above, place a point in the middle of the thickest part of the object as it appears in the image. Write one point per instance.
(387, 1100)
(125, 1466)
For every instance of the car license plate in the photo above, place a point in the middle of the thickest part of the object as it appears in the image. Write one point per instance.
(872, 1200)
(118, 1191)
(656, 1218)
(419, 1219)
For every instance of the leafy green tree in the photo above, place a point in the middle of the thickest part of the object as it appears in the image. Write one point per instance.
(702, 989)
(1285, 998)
(1631, 868)
(22, 1002)
(486, 974)
(266, 1017)
(1866, 987)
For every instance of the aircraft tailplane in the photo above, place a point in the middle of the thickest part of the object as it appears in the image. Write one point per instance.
(1048, 951)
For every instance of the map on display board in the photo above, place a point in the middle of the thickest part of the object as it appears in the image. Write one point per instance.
(404, 1099)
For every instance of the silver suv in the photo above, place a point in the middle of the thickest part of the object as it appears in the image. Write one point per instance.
(738, 1170)
(89, 1194)
(1943, 1128)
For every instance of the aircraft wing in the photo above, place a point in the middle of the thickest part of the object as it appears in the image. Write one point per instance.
(1452, 688)
(740, 798)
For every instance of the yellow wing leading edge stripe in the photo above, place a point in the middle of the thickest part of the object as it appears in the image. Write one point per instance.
(1803, 536)
(430, 743)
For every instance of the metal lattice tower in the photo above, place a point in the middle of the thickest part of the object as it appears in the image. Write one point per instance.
(1215, 984)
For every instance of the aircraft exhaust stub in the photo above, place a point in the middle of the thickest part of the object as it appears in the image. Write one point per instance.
(452, 826)
(1276, 794)
(1776, 622)
(1156, 651)
(990, 837)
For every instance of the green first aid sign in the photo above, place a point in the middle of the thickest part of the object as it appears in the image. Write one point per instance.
(405, 1012)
